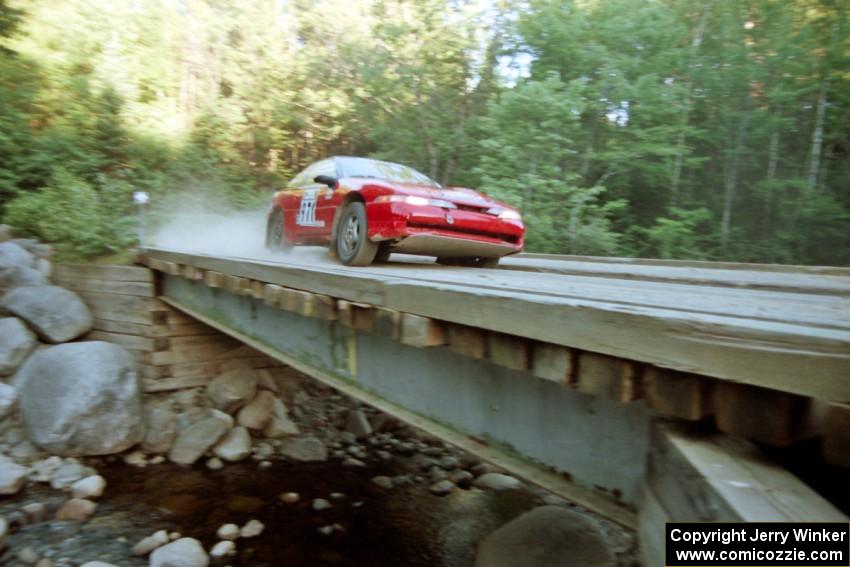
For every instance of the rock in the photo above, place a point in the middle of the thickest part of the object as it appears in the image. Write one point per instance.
(358, 424)
(56, 314)
(27, 556)
(35, 512)
(233, 389)
(25, 451)
(548, 535)
(384, 423)
(13, 255)
(44, 266)
(304, 449)
(8, 397)
(449, 462)
(383, 481)
(320, 504)
(437, 474)
(16, 342)
(352, 462)
(34, 247)
(184, 552)
(135, 459)
(215, 464)
(461, 478)
(21, 276)
(89, 487)
(196, 439)
(234, 446)
(68, 473)
(265, 465)
(266, 381)
(43, 470)
(289, 497)
(280, 424)
(384, 455)
(442, 487)
(160, 430)
(81, 399)
(44, 562)
(496, 481)
(252, 529)
(228, 531)
(5, 233)
(76, 510)
(222, 550)
(257, 413)
(146, 545)
(483, 468)
(97, 564)
(12, 477)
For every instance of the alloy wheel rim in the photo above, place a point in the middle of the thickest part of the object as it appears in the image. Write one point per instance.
(351, 234)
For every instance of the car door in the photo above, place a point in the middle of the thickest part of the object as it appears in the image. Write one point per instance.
(301, 215)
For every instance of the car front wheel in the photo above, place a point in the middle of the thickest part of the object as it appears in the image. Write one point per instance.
(352, 241)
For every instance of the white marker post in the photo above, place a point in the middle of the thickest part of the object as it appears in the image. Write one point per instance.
(141, 199)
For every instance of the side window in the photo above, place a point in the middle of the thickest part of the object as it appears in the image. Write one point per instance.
(305, 178)
(296, 181)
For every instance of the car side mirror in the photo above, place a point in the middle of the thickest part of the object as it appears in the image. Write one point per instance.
(326, 180)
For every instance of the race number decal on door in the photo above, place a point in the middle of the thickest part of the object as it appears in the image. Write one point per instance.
(307, 212)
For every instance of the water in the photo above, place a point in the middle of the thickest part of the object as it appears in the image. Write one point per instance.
(401, 526)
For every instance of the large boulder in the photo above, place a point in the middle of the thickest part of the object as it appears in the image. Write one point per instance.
(545, 536)
(13, 255)
(16, 342)
(21, 276)
(34, 247)
(56, 314)
(81, 399)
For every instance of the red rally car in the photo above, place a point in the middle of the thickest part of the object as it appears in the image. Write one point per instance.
(366, 209)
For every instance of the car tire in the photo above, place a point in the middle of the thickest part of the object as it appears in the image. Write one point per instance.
(276, 233)
(352, 240)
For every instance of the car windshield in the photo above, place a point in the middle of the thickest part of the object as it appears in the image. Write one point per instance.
(363, 167)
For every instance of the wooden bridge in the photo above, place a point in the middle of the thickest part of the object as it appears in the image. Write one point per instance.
(633, 388)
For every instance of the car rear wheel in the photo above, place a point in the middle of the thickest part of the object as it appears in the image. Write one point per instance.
(471, 262)
(352, 241)
(275, 233)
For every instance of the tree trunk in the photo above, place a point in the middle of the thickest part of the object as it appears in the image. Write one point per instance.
(679, 160)
(772, 163)
(730, 178)
(817, 137)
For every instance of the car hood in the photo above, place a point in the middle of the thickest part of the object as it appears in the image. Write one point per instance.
(457, 195)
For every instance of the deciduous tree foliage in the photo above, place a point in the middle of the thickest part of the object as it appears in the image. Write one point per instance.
(666, 128)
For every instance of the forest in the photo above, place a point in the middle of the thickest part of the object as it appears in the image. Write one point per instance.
(715, 130)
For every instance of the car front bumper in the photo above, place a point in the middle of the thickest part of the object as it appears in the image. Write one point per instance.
(450, 233)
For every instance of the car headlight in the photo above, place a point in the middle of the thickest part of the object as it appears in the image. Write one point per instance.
(504, 214)
(415, 200)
